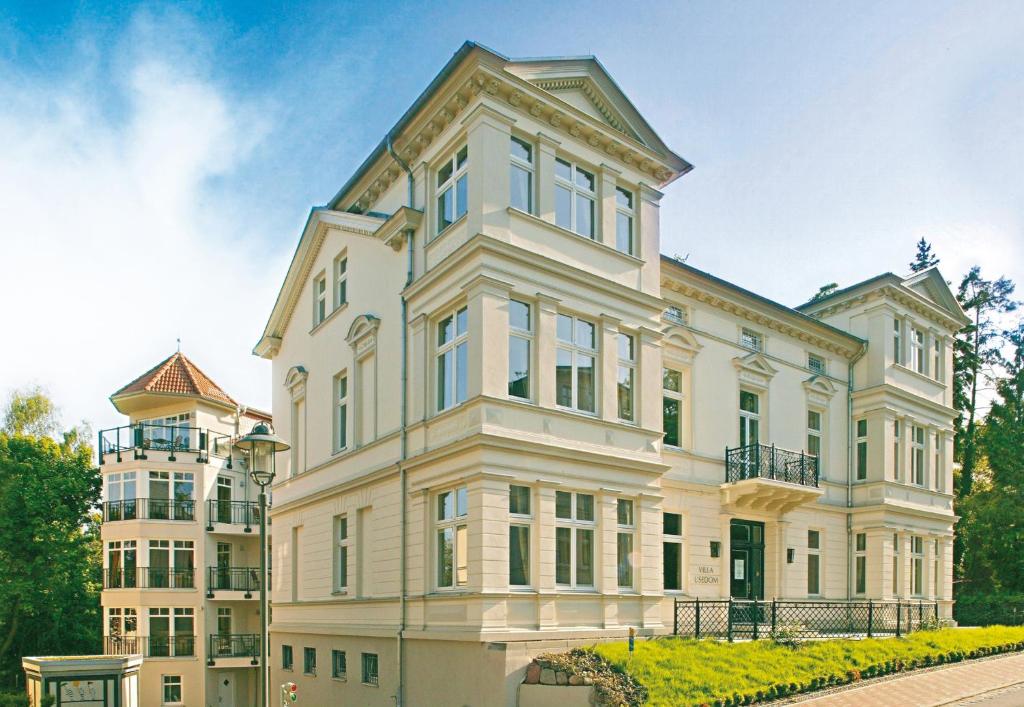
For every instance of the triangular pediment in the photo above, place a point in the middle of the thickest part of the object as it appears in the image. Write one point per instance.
(932, 286)
(755, 364)
(582, 93)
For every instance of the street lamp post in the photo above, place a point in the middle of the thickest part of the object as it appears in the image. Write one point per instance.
(260, 446)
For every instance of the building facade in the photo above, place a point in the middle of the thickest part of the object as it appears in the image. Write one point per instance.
(516, 426)
(180, 540)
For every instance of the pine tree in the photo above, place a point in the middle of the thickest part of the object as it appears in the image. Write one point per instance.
(825, 291)
(925, 258)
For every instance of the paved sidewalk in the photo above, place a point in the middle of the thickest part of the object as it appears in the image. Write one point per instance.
(945, 686)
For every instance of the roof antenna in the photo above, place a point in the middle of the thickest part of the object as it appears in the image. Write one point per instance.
(179, 344)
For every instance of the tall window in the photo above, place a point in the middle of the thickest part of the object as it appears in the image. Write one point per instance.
(370, 675)
(916, 565)
(897, 341)
(862, 450)
(452, 538)
(815, 364)
(626, 376)
(339, 669)
(340, 281)
(861, 563)
(896, 450)
(917, 458)
(574, 539)
(341, 543)
(171, 638)
(574, 198)
(452, 359)
(672, 406)
(814, 562)
(672, 551)
(319, 299)
(519, 536)
(340, 412)
(521, 175)
(917, 351)
(172, 689)
(309, 661)
(287, 660)
(575, 360)
(937, 462)
(895, 564)
(624, 542)
(452, 189)
(935, 568)
(750, 339)
(121, 495)
(519, 340)
(624, 239)
(814, 435)
(936, 358)
(750, 418)
(122, 564)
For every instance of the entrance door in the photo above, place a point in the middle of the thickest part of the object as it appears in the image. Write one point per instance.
(226, 691)
(746, 559)
(223, 578)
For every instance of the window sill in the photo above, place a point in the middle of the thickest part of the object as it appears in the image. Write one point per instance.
(288, 670)
(447, 229)
(575, 411)
(636, 260)
(575, 590)
(331, 315)
(339, 679)
(915, 374)
(370, 684)
(339, 593)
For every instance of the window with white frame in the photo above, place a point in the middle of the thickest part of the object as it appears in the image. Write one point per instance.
(122, 564)
(172, 432)
(340, 280)
(917, 350)
(937, 461)
(814, 562)
(172, 690)
(624, 237)
(935, 568)
(521, 175)
(452, 538)
(319, 299)
(452, 359)
(897, 341)
(816, 364)
(676, 314)
(575, 196)
(916, 565)
(341, 544)
(452, 189)
(672, 406)
(121, 496)
(171, 638)
(520, 519)
(370, 666)
(626, 526)
(520, 343)
(626, 377)
(672, 551)
(340, 412)
(862, 450)
(936, 358)
(860, 559)
(339, 668)
(122, 622)
(814, 435)
(574, 539)
(896, 433)
(895, 564)
(575, 362)
(917, 459)
(750, 418)
(750, 339)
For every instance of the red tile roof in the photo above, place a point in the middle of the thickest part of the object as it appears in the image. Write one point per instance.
(179, 376)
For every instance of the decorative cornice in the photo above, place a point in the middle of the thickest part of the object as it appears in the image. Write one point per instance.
(913, 302)
(593, 94)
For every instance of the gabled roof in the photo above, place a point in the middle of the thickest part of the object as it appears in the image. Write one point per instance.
(176, 375)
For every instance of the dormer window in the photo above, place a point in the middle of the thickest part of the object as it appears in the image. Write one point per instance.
(752, 340)
(521, 175)
(676, 315)
(452, 189)
(624, 221)
(575, 195)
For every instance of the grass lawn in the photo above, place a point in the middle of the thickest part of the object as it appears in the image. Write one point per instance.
(679, 671)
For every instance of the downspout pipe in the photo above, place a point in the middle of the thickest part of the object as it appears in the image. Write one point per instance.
(403, 424)
(850, 467)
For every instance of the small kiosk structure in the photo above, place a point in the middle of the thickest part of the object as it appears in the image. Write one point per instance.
(83, 680)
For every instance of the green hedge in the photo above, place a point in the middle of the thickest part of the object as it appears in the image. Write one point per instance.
(13, 699)
(679, 671)
(989, 609)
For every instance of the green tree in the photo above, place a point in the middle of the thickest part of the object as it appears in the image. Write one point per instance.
(924, 258)
(49, 541)
(31, 412)
(825, 291)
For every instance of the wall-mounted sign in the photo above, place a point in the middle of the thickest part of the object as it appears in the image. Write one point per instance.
(737, 568)
(706, 574)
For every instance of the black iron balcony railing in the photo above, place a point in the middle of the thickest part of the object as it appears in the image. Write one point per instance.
(233, 579)
(245, 513)
(122, 645)
(149, 578)
(234, 645)
(149, 509)
(170, 646)
(139, 438)
(761, 461)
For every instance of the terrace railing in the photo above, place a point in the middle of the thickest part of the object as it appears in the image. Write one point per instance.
(139, 438)
(743, 619)
(122, 645)
(149, 509)
(233, 645)
(770, 462)
(245, 513)
(232, 579)
(170, 646)
(149, 578)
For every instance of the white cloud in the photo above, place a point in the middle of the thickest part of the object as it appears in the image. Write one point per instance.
(114, 236)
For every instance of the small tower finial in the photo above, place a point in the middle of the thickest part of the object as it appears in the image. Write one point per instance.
(179, 344)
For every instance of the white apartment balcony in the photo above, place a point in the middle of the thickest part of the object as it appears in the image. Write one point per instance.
(767, 479)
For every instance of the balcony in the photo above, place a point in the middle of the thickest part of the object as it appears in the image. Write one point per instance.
(233, 579)
(233, 645)
(766, 478)
(173, 440)
(150, 646)
(149, 578)
(237, 513)
(149, 509)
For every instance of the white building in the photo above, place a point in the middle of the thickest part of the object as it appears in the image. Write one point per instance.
(516, 426)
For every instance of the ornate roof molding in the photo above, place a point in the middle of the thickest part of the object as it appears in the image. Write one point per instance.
(596, 97)
(754, 369)
(909, 299)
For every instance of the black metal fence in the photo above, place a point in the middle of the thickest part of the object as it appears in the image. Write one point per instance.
(149, 578)
(122, 645)
(139, 438)
(245, 513)
(770, 462)
(149, 509)
(233, 645)
(236, 579)
(793, 620)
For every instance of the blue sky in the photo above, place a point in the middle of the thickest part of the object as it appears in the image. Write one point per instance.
(157, 161)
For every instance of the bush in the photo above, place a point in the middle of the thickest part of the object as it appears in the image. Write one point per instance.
(989, 609)
(613, 685)
(13, 699)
